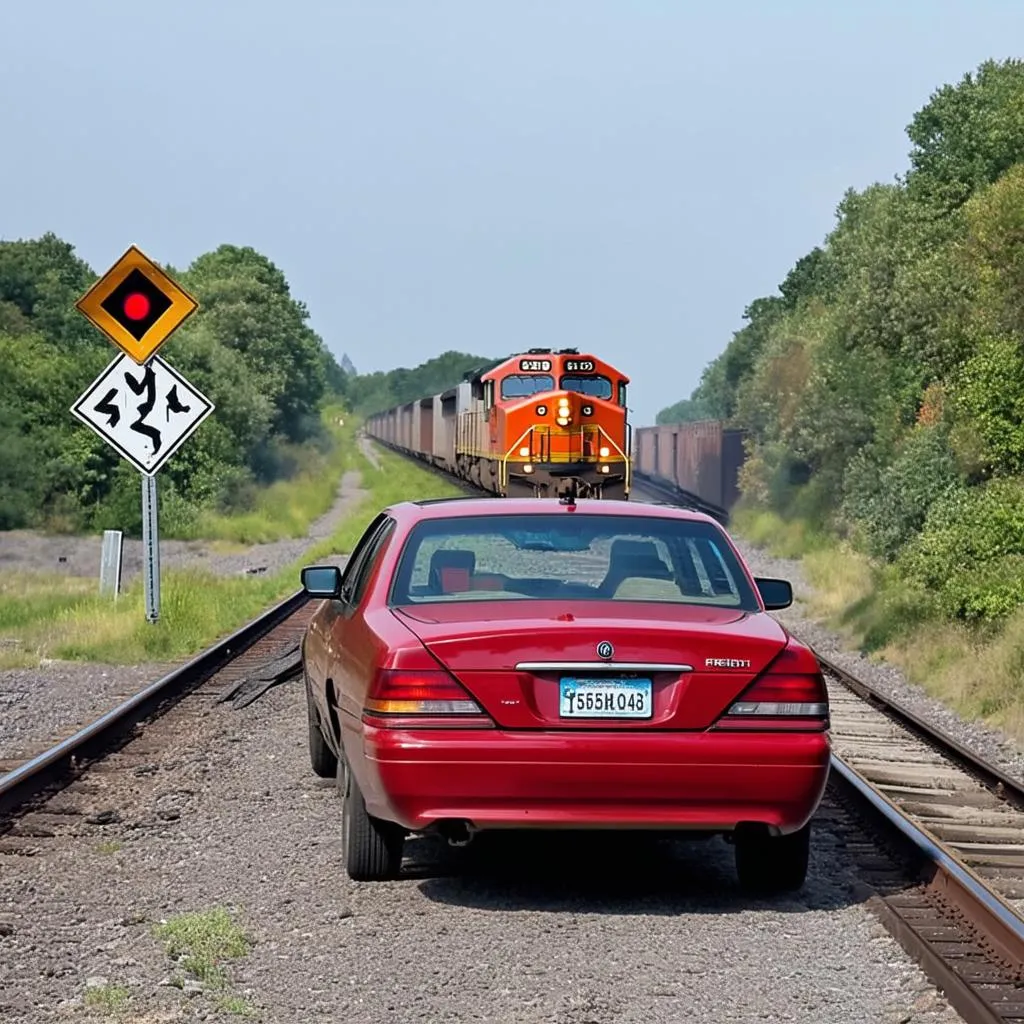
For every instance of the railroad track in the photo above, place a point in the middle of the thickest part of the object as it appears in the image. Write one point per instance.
(934, 832)
(955, 826)
(939, 836)
(259, 655)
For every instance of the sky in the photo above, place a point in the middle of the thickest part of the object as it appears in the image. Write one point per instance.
(620, 176)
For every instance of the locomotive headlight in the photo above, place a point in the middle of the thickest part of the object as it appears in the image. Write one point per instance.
(605, 469)
(562, 421)
(524, 451)
(605, 452)
(527, 468)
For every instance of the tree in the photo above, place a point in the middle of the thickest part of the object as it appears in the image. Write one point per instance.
(967, 135)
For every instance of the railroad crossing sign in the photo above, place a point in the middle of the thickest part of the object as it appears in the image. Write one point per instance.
(136, 305)
(144, 412)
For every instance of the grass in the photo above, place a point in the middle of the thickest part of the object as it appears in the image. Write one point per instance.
(109, 999)
(64, 618)
(287, 508)
(978, 673)
(785, 538)
(236, 1005)
(203, 943)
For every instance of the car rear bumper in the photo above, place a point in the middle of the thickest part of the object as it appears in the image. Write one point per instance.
(495, 779)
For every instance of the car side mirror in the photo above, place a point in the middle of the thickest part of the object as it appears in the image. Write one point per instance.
(321, 580)
(775, 593)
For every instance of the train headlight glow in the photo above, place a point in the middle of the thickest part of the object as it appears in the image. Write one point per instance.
(524, 450)
(605, 452)
(605, 469)
(527, 468)
(562, 421)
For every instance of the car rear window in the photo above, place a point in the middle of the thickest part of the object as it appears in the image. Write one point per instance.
(571, 557)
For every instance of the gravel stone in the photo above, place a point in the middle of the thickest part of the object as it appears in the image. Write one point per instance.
(529, 928)
(990, 743)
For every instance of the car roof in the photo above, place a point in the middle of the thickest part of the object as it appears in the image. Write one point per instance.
(453, 508)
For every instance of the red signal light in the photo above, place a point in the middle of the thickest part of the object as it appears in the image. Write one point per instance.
(136, 306)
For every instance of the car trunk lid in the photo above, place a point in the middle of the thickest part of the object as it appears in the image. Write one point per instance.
(538, 666)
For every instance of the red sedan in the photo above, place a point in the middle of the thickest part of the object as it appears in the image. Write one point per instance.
(534, 663)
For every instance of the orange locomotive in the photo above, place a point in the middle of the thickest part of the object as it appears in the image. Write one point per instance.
(535, 424)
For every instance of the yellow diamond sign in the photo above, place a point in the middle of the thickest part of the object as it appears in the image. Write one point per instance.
(136, 305)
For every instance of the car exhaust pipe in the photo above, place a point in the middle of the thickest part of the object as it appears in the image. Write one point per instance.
(458, 833)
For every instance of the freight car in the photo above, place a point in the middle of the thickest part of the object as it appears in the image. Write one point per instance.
(534, 424)
(698, 462)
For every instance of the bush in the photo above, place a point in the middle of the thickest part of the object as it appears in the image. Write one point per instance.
(892, 502)
(971, 551)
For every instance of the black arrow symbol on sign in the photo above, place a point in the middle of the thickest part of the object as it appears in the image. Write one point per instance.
(106, 408)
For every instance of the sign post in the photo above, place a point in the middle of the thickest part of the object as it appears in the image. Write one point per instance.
(139, 405)
(150, 549)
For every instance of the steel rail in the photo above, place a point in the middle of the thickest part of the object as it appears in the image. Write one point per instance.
(984, 912)
(37, 775)
(1003, 785)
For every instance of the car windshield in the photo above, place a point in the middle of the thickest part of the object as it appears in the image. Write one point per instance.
(570, 557)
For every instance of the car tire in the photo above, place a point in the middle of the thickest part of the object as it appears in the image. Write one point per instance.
(773, 864)
(321, 757)
(372, 848)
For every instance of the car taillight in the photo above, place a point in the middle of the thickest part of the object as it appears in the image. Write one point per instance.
(418, 699)
(790, 694)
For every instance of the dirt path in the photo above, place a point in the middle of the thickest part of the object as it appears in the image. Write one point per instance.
(33, 551)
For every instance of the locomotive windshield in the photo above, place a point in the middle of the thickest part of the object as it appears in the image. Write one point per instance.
(596, 387)
(522, 385)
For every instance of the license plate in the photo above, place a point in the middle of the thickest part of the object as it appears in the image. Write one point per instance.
(604, 698)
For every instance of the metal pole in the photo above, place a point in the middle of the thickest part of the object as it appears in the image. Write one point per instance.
(150, 549)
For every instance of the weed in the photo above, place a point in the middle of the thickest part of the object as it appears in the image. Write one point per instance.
(203, 942)
(112, 999)
(109, 846)
(236, 1005)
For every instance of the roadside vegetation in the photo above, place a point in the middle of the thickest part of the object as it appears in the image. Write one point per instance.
(248, 348)
(204, 944)
(882, 390)
(65, 618)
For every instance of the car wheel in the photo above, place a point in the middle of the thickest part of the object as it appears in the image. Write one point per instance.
(773, 864)
(372, 848)
(321, 757)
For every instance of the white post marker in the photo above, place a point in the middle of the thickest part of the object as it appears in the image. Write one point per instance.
(150, 549)
(110, 563)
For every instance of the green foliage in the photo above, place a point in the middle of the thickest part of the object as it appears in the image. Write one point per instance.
(970, 552)
(990, 398)
(891, 500)
(882, 389)
(248, 348)
(968, 135)
(374, 392)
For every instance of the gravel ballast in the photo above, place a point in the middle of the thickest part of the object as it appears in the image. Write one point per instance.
(568, 930)
(991, 744)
